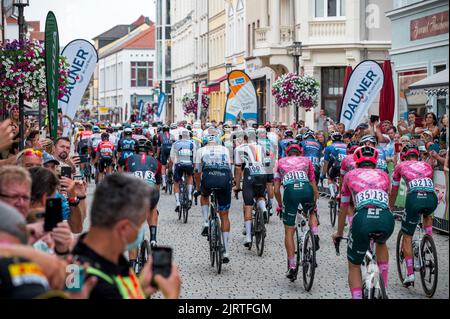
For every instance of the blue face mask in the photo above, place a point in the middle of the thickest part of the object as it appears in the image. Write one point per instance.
(138, 241)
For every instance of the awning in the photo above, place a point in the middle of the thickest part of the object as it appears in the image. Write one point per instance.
(436, 84)
(214, 86)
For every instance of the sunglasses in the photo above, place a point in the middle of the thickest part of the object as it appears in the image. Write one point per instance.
(31, 152)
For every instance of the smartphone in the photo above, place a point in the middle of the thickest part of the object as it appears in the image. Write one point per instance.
(66, 172)
(53, 213)
(78, 178)
(162, 262)
(374, 118)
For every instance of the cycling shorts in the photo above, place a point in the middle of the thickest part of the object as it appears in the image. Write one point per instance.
(253, 186)
(217, 179)
(335, 170)
(181, 169)
(104, 162)
(295, 194)
(365, 222)
(164, 157)
(154, 199)
(417, 203)
(269, 178)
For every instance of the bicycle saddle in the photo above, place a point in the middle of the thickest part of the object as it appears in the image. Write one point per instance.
(375, 236)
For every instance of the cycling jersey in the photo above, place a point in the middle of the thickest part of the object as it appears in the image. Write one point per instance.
(282, 146)
(95, 140)
(127, 148)
(347, 164)
(312, 150)
(106, 149)
(139, 137)
(382, 163)
(252, 158)
(145, 167)
(335, 152)
(86, 135)
(182, 152)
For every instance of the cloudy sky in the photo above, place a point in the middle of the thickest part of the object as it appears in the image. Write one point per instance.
(85, 19)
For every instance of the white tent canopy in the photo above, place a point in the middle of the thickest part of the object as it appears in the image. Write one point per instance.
(438, 80)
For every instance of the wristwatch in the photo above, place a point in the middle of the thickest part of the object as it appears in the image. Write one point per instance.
(73, 202)
(82, 197)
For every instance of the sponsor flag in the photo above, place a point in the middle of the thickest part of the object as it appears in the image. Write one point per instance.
(365, 83)
(161, 101)
(241, 100)
(52, 71)
(82, 58)
(141, 109)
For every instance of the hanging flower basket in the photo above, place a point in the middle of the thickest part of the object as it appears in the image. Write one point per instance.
(298, 91)
(22, 69)
(190, 103)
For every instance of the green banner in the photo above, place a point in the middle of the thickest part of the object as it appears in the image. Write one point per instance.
(52, 70)
(401, 197)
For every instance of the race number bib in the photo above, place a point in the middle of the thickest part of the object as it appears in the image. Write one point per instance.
(148, 176)
(295, 177)
(256, 170)
(421, 184)
(315, 161)
(375, 197)
(184, 152)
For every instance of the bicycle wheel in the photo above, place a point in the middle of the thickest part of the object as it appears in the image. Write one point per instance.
(260, 233)
(218, 248)
(253, 233)
(375, 291)
(212, 242)
(269, 210)
(185, 215)
(170, 186)
(309, 261)
(333, 208)
(401, 264)
(144, 253)
(429, 270)
(298, 253)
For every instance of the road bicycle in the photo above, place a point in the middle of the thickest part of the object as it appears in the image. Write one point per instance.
(333, 204)
(185, 204)
(169, 184)
(215, 237)
(373, 283)
(259, 231)
(425, 259)
(305, 246)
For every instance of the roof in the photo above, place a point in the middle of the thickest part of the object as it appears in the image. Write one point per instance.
(37, 35)
(437, 80)
(121, 30)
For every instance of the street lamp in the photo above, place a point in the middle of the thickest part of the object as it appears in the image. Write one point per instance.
(296, 50)
(228, 67)
(21, 4)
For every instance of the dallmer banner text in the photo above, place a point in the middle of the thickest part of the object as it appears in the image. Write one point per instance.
(241, 102)
(364, 85)
(82, 58)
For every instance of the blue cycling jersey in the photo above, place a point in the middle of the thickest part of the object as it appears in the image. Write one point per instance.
(312, 150)
(127, 147)
(282, 147)
(336, 151)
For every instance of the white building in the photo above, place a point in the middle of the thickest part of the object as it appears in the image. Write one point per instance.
(126, 73)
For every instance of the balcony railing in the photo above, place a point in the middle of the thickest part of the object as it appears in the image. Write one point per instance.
(286, 34)
(327, 29)
(262, 37)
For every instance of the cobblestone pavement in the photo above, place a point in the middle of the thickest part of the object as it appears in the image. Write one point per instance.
(248, 276)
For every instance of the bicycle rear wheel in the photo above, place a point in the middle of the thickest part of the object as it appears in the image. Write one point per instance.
(333, 211)
(309, 261)
(401, 264)
(429, 270)
(375, 292)
(144, 253)
(212, 242)
(260, 233)
(185, 215)
(218, 248)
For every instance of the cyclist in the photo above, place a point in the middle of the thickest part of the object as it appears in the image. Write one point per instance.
(348, 164)
(313, 151)
(144, 166)
(95, 139)
(270, 160)
(249, 161)
(182, 159)
(421, 199)
(139, 133)
(165, 141)
(368, 187)
(288, 138)
(370, 140)
(213, 171)
(126, 148)
(334, 154)
(296, 174)
(105, 156)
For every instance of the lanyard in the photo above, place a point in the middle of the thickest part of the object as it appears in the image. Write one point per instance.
(136, 293)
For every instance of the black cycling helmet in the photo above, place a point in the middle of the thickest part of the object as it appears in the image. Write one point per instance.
(105, 136)
(352, 147)
(309, 134)
(288, 133)
(336, 136)
(110, 130)
(143, 145)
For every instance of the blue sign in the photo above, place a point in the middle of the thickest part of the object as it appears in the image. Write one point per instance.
(141, 109)
(161, 101)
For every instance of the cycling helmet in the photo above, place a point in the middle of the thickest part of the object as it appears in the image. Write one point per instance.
(288, 133)
(110, 130)
(143, 145)
(138, 130)
(299, 138)
(173, 126)
(105, 136)
(261, 133)
(184, 134)
(409, 150)
(309, 134)
(336, 136)
(351, 147)
(128, 131)
(368, 139)
(366, 155)
(96, 129)
(189, 127)
(211, 139)
(294, 147)
(165, 128)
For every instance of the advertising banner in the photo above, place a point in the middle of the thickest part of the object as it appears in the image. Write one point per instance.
(52, 70)
(82, 58)
(241, 100)
(364, 85)
(161, 102)
(441, 213)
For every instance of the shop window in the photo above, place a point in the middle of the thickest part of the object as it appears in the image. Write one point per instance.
(332, 90)
(417, 102)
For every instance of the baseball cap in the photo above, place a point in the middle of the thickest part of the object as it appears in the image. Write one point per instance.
(48, 158)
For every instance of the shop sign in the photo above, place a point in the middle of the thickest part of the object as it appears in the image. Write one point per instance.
(429, 26)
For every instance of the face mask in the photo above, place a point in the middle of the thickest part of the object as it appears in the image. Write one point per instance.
(138, 241)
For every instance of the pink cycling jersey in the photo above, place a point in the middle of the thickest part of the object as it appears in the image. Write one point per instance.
(347, 164)
(417, 175)
(294, 164)
(367, 187)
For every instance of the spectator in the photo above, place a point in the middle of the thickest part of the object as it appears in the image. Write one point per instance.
(430, 124)
(410, 127)
(390, 146)
(50, 162)
(320, 136)
(322, 121)
(361, 130)
(62, 153)
(15, 188)
(29, 158)
(118, 215)
(444, 131)
(340, 128)
(348, 136)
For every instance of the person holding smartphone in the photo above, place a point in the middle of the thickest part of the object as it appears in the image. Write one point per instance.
(118, 217)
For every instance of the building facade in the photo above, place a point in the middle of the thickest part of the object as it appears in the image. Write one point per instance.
(420, 44)
(126, 73)
(163, 70)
